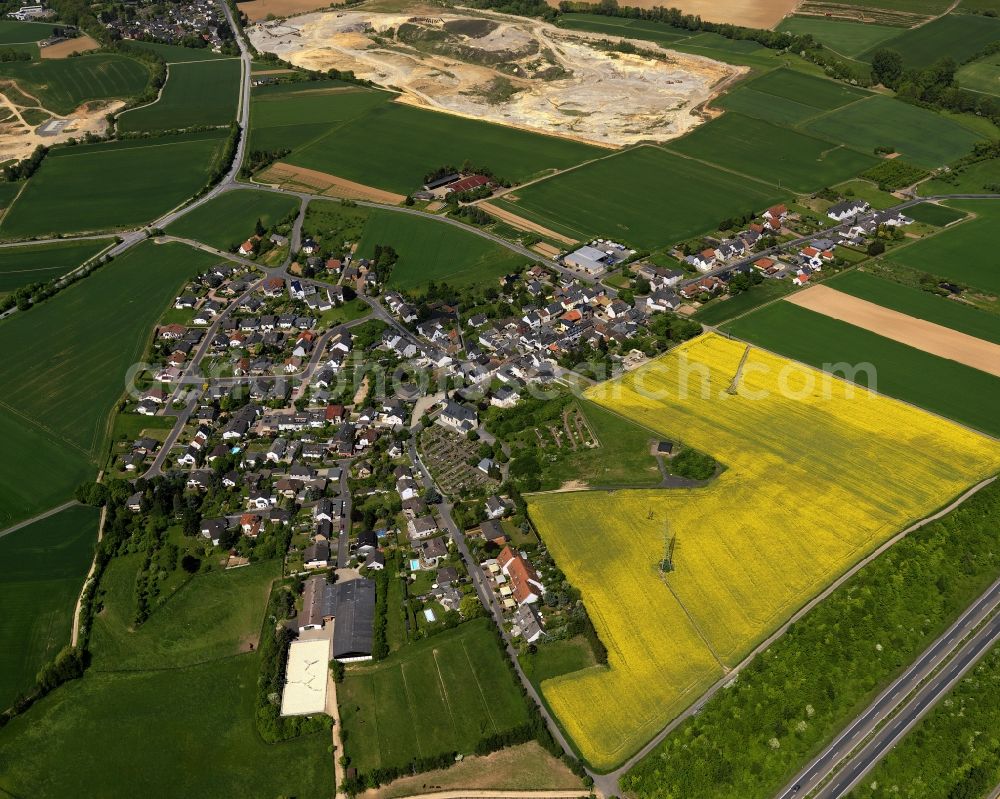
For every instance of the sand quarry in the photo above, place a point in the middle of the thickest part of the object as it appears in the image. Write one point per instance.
(19, 136)
(509, 70)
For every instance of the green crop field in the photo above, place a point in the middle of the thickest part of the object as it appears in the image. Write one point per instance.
(957, 36)
(681, 198)
(61, 84)
(290, 115)
(65, 367)
(12, 31)
(773, 154)
(921, 304)
(228, 220)
(203, 93)
(982, 75)
(807, 89)
(74, 190)
(443, 694)
(393, 146)
(933, 214)
(44, 567)
(175, 54)
(160, 733)
(34, 263)
(8, 191)
(945, 387)
(430, 250)
(622, 26)
(956, 253)
(211, 616)
(845, 37)
(922, 136)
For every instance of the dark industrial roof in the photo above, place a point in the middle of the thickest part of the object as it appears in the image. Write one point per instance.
(355, 616)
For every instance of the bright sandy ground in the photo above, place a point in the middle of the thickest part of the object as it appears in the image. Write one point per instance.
(18, 138)
(909, 330)
(751, 13)
(613, 101)
(306, 677)
(81, 44)
(299, 178)
(259, 9)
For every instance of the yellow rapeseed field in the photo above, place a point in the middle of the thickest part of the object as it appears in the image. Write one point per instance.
(818, 473)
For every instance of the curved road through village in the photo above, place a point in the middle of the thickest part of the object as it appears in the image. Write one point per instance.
(606, 784)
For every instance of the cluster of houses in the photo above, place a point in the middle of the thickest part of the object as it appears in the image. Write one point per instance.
(173, 22)
(516, 584)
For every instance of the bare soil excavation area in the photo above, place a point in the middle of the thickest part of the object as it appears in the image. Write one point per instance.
(909, 330)
(509, 70)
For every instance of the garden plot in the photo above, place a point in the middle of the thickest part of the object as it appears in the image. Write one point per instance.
(452, 461)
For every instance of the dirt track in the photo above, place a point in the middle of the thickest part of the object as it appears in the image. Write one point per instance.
(524, 224)
(909, 330)
(302, 179)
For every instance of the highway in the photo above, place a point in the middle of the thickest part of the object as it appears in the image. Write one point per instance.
(925, 700)
(837, 757)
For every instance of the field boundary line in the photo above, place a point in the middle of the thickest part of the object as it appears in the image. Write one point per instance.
(10, 205)
(410, 702)
(159, 96)
(479, 685)
(38, 517)
(444, 691)
(800, 125)
(721, 168)
(31, 420)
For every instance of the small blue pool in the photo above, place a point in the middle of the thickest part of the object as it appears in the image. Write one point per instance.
(414, 565)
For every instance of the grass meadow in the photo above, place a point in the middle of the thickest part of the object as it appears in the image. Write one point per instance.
(945, 387)
(34, 263)
(44, 567)
(957, 253)
(845, 37)
(430, 250)
(681, 198)
(932, 214)
(61, 84)
(393, 146)
(201, 93)
(920, 7)
(65, 369)
(442, 694)
(922, 136)
(74, 192)
(957, 36)
(921, 304)
(981, 177)
(719, 311)
(228, 220)
(749, 550)
(159, 733)
(175, 54)
(14, 32)
(982, 75)
(209, 617)
(790, 159)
